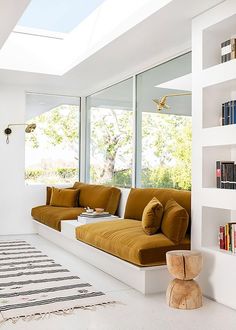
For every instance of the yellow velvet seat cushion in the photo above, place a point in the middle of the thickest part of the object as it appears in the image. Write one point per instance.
(98, 196)
(175, 221)
(64, 197)
(127, 240)
(52, 215)
(152, 215)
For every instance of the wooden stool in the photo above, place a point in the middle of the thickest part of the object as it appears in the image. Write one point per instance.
(183, 292)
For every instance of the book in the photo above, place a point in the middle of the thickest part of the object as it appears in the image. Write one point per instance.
(227, 237)
(95, 215)
(223, 115)
(229, 113)
(228, 50)
(225, 174)
(222, 237)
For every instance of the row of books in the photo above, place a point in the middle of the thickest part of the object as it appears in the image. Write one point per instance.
(228, 50)
(225, 174)
(227, 237)
(229, 113)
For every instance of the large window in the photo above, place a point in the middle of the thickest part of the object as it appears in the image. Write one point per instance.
(52, 151)
(164, 138)
(110, 126)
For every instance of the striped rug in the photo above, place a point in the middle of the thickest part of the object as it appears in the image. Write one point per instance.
(32, 285)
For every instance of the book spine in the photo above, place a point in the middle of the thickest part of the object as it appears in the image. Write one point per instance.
(223, 115)
(228, 113)
(226, 51)
(234, 112)
(233, 49)
(221, 237)
(226, 237)
(218, 174)
(232, 237)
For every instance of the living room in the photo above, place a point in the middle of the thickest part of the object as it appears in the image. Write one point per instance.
(110, 107)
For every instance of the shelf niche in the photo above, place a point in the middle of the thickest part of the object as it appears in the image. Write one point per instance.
(210, 156)
(212, 39)
(213, 98)
(212, 219)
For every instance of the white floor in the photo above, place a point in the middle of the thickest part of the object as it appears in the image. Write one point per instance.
(133, 312)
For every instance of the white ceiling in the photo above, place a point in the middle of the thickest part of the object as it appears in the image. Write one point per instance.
(161, 35)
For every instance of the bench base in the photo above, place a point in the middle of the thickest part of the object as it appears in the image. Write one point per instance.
(147, 280)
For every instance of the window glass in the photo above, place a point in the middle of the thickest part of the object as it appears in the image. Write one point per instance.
(110, 125)
(164, 137)
(52, 150)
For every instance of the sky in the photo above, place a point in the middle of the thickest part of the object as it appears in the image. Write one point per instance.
(57, 15)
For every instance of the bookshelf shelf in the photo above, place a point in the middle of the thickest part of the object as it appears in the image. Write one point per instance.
(213, 35)
(216, 250)
(220, 73)
(220, 198)
(219, 136)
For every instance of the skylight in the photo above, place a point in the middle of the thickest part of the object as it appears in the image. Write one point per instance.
(57, 15)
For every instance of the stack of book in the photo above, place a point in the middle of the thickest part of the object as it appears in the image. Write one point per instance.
(90, 217)
(228, 50)
(225, 174)
(227, 237)
(229, 113)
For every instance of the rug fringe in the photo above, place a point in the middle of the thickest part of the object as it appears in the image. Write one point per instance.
(64, 312)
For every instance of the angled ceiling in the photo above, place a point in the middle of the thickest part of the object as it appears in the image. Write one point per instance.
(10, 13)
(146, 41)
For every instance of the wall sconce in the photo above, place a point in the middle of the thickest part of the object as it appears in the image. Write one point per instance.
(29, 129)
(161, 103)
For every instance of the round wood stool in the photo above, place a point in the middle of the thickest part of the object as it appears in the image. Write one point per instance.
(183, 292)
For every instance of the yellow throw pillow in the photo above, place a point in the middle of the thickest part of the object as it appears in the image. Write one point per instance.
(48, 195)
(175, 221)
(64, 197)
(152, 215)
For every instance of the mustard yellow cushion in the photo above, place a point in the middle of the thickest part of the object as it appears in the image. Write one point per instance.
(175, 221)
(139, 198)
(98, 196)
(52, 215)
(64, 197)
(152, 215)
(48, 195)
(126, 239)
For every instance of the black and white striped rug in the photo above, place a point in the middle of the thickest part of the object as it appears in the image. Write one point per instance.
(32, 285)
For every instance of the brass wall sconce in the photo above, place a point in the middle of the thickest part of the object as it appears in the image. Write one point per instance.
(161, 103)
(29, 129)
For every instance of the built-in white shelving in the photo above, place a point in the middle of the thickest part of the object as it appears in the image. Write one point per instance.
(214, 83)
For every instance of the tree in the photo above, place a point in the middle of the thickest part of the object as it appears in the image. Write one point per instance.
(60, 126)
(111, 136)
(169, 137)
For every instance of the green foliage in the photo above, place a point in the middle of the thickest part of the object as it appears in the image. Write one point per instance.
(52, 176)
(166, 147)
(33, 174)
(60, 126)
(67, 172)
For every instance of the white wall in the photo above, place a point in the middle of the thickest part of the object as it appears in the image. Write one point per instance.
(16, 199)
